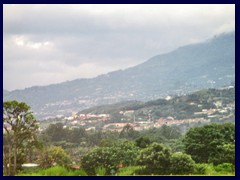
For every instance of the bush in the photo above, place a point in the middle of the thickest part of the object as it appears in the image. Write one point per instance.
(131, 170)
(79, 172)
(56, 171)
(225, 168)
(181, 164)
(53, 155)
(110, 158)
(207, 169)
(156, 158)
(200, 169)
(100, 171)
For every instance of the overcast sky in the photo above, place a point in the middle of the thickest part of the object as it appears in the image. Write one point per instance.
(45, 44)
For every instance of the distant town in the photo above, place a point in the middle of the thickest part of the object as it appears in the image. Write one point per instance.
(222, 112)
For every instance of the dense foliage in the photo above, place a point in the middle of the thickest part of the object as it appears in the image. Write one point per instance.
(211, 143)
(53, 155)
(181, 164)
(159, 151)
(110, 157)
(156, 158)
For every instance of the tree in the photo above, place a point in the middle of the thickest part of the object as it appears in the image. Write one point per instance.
(181, 164)
(53, 155)
(156, 158)
(225, 154)
(77, 135)
(203, 143)
(128, 132)
(110, 157)
(56, 132)
(170, 132)
(143, 142)
(20, 129)
(94, 138)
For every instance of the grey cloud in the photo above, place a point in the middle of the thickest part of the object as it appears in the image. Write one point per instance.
(64, 42)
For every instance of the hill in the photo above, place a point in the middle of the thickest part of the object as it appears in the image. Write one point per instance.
(195, 105)
(209, 64)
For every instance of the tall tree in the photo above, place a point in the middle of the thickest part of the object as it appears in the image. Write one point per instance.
(20, 128)
(204, 143)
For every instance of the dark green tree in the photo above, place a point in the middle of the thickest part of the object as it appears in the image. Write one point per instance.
(128, 132)
(143, 142)
(94, 138)
(203, 143)
(224, 154)
(77, 135)
(170, 132)
(56, 132)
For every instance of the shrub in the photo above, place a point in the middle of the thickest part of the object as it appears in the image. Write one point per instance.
(207, 169)
(100, 171)
(156, 158)
(56, 171)
(225, 168)
(109, 158)
(200, 168)
(79, 172)
(181, 164)
(131, 170)
(52, 155)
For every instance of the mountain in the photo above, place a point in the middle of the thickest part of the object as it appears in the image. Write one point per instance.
(5, 92)
(210, 64)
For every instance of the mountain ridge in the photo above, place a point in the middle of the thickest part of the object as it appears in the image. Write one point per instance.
(189, 68)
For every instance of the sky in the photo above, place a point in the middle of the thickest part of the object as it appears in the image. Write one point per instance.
(48, 44)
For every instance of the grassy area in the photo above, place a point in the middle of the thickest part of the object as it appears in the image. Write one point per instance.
(201, 170)
(128, 171)
(55, 171)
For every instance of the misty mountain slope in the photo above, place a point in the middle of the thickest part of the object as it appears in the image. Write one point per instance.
(5, 92)
(189, 68)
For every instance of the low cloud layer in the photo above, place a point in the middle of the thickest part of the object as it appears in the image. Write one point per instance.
(46, 44)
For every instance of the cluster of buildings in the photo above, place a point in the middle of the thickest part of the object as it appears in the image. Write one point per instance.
(103, 121)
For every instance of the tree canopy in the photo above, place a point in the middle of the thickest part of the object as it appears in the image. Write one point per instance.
(207, 143)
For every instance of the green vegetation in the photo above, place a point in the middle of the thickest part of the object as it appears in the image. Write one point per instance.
(56, 171)
(179, 107)
(110, 157)
(156, 159)
(211, 143)
(181, 164)
(100, 171)
(199, 170)
(129, 171)
(53, 155)
(19, 135)
(63, 151)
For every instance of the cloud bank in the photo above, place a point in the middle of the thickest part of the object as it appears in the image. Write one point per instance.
(46, 44)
